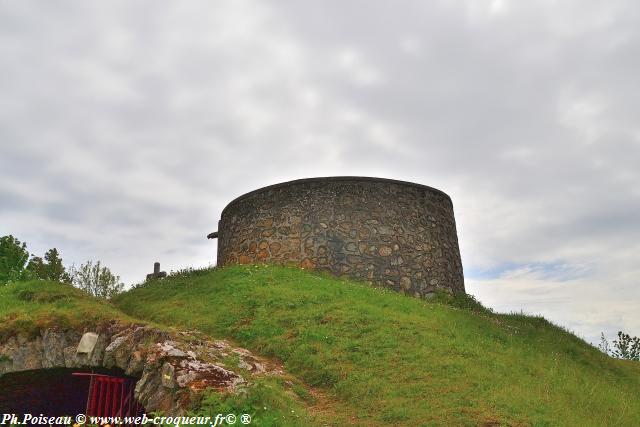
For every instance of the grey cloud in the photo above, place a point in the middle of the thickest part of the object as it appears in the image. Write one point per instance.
(126, 128)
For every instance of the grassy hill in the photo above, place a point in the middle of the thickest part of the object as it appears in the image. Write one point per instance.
(389, 359)
(365, 356)
(30, 306)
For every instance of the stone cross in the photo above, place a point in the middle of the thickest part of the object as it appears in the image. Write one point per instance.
(157, 274)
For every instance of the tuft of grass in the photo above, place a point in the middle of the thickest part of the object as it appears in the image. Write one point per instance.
(390, 359)
(462, 301)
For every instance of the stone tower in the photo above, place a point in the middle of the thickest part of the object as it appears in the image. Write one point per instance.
(392, 233)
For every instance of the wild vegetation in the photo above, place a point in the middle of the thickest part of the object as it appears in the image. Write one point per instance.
(386, 358)
(16, 266)
(27, 307)
(13, 260)
(361, 355)
(625, 347)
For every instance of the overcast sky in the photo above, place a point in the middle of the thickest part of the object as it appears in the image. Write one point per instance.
(126, 127)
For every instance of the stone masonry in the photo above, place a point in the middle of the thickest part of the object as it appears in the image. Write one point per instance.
(174, 368)
(392, 233)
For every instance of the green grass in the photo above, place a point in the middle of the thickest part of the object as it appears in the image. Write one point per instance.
(384, 358)
(360, 355)
(27, 307)
(265, 401)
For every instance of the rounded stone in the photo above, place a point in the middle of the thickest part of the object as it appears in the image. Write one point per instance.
(275, 247)
(307, 264)
(385, 251)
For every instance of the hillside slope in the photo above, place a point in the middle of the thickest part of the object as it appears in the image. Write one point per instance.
(388, 358)
(29, 308)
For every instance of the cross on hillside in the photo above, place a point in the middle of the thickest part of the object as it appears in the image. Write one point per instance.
(157, 274)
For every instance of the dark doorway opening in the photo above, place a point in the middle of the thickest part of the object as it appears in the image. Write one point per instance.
(58, 392)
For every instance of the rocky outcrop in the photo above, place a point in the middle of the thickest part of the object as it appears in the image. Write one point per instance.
(173, 368)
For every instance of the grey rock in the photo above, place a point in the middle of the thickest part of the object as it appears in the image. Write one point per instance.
(168, 375)
(119, 352)
(27, 354)
(53, 344)
(136, 364)
(97, 355)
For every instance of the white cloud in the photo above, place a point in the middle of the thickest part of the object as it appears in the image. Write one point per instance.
(125, 129)
(588, 306)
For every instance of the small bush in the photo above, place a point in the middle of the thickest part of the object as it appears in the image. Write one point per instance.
(96, 280)
(625, 347)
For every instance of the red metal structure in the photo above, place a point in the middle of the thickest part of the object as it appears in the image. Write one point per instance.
(111, 396)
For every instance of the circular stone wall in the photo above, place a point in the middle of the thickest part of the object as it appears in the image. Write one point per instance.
(397, 234)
